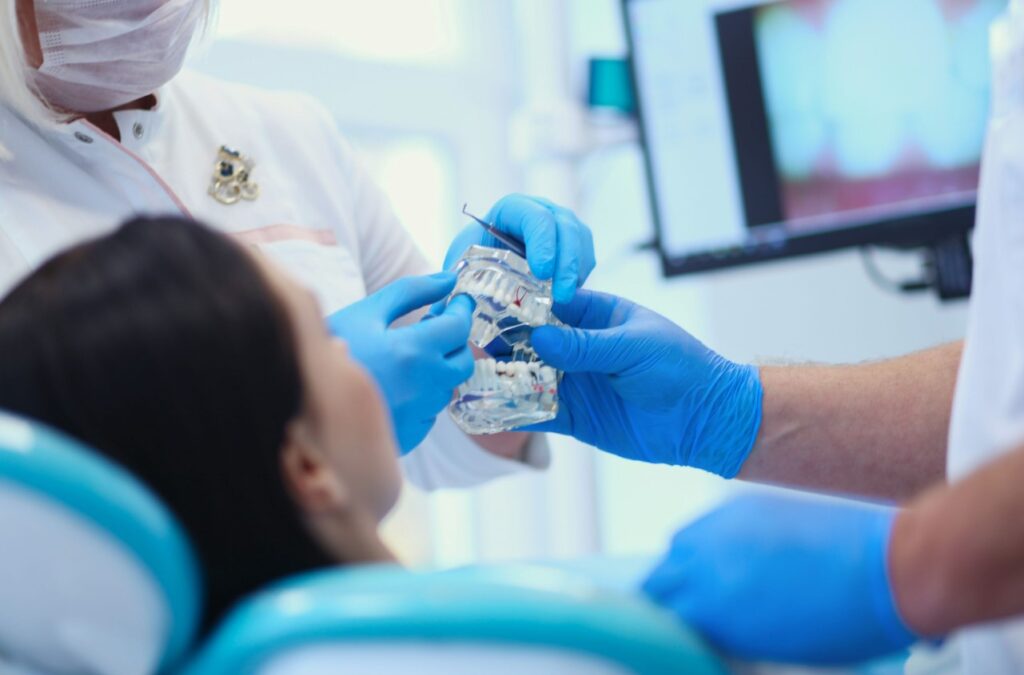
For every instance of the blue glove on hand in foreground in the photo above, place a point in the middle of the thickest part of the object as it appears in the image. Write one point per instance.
(416, 366)
(558, 246)
(783, 578)
(641, 387)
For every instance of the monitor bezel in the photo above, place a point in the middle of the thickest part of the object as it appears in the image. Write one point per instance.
(901, 231)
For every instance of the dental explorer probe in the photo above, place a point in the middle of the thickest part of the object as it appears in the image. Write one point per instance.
(511, 242)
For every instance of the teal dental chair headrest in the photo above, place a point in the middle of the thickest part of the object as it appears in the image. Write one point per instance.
(388, 619)
(95, 574)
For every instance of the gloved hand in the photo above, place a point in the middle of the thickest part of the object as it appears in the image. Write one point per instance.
(416, 366)
(641, 387)
(785, 578)
(558, 245)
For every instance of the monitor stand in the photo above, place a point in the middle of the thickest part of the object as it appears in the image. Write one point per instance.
(947, 267)
(950, 266)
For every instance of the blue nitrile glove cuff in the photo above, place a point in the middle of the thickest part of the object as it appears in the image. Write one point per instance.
(726, 431)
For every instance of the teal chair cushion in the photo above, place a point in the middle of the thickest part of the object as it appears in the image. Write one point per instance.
(61, 471)
(529, 605)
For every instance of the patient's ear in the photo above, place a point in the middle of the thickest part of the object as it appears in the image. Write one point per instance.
(312, 483)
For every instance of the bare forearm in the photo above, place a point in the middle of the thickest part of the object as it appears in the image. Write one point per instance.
(510, 444)
(957, 552)
(876, 429)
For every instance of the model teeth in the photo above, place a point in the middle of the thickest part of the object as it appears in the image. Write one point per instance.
(512, 379)
(507, 294)
(519, 390)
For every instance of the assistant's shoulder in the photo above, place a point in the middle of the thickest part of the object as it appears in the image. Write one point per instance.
(282, 113)
(211, 94)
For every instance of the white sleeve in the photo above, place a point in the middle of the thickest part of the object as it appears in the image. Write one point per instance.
(387, 251)
(447, 458)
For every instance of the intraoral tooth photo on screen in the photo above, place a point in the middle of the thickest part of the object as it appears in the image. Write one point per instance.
(778, 129)
(853, 123)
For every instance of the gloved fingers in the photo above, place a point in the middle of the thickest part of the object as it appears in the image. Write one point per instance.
(436, 309)
(447, 332)
(460, 365)
(670, 577)
(576, 350)
(527, 219)
(588, 257)
(338, 322)
(567, 261)
(435, 404)
(562, 424)
(591, 309)
(412, 435)
(575, 255)
(409, 293)
(548, 342)
(470, 234)
(439, 307)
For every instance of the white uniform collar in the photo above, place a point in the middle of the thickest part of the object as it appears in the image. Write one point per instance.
(137, 127)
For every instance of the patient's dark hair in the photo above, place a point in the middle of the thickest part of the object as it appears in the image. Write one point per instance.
(163, 347)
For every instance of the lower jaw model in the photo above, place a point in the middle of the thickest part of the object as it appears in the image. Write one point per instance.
(503, 395)
(514, 390)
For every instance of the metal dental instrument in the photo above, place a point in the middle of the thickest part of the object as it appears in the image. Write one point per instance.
(511, 242)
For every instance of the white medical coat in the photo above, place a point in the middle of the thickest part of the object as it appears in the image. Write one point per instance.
(318, 213)
(988, 410)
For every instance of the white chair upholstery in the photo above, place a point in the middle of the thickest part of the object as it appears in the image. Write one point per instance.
(95, 576)
(432, 658)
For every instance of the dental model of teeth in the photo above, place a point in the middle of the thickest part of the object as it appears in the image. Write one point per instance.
(509, 299)
(503, 395)
(517, 378)
(516, 389)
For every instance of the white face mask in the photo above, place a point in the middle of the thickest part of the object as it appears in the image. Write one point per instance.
(101, 54)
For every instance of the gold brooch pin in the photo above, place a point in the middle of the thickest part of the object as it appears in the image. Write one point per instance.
(231, 177)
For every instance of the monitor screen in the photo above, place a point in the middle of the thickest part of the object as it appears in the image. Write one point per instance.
(781, 128)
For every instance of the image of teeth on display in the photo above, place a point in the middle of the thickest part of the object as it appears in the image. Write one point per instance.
(514, 388)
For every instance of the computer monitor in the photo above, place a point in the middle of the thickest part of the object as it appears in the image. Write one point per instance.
(775, 129)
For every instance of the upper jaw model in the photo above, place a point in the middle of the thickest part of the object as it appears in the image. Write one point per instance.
(516, 388)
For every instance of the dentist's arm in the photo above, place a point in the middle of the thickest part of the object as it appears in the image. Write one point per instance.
(957, 552)
(639, 386)
(876, 429)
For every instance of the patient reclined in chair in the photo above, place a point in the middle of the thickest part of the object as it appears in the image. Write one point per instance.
(206, 373)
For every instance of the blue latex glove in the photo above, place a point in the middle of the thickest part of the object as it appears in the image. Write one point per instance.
(558, 245)
(416, 366)
(785, 578)
(641, 387)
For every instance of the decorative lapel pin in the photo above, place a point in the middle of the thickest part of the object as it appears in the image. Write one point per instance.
(230, 181)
